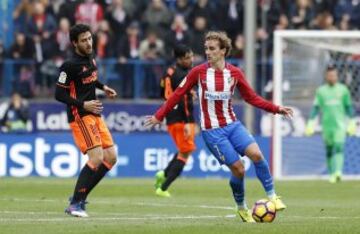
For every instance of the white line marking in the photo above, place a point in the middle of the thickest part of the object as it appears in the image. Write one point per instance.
(112, 218)
(125, 202)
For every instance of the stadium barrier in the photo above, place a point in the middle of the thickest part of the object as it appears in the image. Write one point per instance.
(139, 155)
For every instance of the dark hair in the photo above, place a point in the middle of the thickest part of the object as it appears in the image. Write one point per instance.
(331, 67)
(77, 29)
(181, 50)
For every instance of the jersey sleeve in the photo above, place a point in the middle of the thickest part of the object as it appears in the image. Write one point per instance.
(317, 98)
(62, 92)
(64, 76)
(249, 95)
(186, 84)
(348, 103)
(316, 105)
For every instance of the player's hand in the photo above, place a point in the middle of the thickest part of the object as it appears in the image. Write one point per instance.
(351, 128)
(287, 112)
(151, 120)
(93, 106)
(111, 93)
(309, 130)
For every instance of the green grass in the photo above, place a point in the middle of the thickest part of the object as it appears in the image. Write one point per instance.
(35, 205)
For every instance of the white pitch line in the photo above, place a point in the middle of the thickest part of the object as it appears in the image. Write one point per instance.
(114, 218)
(135, 203)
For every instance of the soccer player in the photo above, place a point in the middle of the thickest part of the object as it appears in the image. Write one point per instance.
(76, 88)
(333, 100)
(180, 120)
(224, 135)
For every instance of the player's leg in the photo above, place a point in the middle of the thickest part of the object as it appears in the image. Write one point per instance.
(340, 137)
(109, 153)
(245, 144)
(263, 173)
(185, 145)
(106, 165)
(329, 141)
(160, 176)
(89, 142)
(329, 158)
(219, 145)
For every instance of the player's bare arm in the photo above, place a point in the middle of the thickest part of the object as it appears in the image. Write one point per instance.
(110, 93)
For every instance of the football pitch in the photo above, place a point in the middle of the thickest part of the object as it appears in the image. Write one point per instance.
(36, 205)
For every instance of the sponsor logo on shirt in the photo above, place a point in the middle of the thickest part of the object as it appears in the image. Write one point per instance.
(90, 78)
(217, 95)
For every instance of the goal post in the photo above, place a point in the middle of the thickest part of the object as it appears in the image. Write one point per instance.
(299, 64)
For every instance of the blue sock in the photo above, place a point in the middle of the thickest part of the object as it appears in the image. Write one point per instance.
(238, 189)
(263, 173)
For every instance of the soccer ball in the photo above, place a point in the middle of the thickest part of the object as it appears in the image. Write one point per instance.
(264, 211)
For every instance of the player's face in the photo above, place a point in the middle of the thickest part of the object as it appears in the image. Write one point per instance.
(187, 60)
(331, 77)
(213, 52)
(84, 43)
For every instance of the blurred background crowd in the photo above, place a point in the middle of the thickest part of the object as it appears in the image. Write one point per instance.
(133, 39)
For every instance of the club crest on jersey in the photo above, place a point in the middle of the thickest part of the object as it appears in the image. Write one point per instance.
(84, 69)
(62, 77)
(231, 80)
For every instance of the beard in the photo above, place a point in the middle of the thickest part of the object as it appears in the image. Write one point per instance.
(85, 51)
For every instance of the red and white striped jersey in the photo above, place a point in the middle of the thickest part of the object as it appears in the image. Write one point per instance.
(216, 89)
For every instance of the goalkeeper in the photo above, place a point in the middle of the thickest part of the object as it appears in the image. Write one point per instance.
(333, 100)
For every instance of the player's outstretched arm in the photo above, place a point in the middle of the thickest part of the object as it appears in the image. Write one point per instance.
(287, 112)
(151, 120)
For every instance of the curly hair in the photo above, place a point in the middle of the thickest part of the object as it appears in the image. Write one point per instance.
(224, 40)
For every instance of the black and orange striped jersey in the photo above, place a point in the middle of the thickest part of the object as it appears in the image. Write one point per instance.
(183, 111)
(77, 83)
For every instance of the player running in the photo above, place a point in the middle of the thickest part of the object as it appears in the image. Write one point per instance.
(180, 120)
(76, 88)
(333, 100)
(224, 135)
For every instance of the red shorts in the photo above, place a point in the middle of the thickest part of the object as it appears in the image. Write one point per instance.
(89, 132)
(183, 144)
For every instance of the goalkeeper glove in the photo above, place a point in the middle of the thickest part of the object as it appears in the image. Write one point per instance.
(309, 130)
(351, 128)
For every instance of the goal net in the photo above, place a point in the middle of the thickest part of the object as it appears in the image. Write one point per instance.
(300, 61)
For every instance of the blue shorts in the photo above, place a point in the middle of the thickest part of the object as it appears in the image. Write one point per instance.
(228, 142)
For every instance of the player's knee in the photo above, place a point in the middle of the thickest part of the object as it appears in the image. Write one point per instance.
(238, 169)
(183, 156)
(256, 156)
(112, 159)
(339, 148)
(239, 172)
(96, 156)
